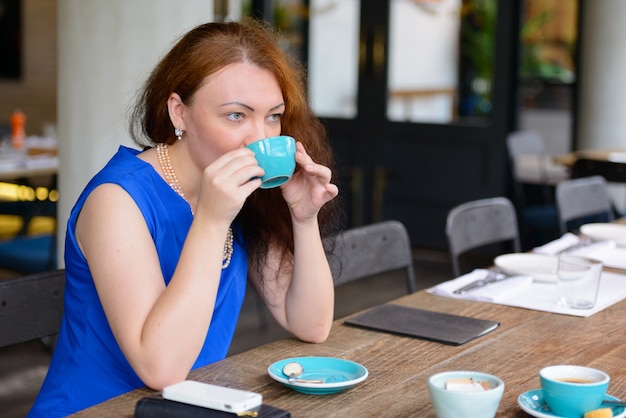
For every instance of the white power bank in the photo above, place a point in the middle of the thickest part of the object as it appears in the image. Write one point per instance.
(212, 396)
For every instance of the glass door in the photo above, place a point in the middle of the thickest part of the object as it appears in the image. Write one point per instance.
(441, 61)
(418, 97)
(333, 71)
(547, 71)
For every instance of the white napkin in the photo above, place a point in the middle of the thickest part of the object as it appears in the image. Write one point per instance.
(493, 292)
(606, 251)
(574, 245)
(558, 245)
(597, 247)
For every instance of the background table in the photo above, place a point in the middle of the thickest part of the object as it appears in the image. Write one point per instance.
(616, 155)
(32, 172)
(399, 366)
(28, 168)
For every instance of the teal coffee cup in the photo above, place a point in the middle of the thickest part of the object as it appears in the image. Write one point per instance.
(277, 157)
(571, 391)
(449, 403)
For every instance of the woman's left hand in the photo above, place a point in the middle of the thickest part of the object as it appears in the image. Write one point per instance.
(309, 188)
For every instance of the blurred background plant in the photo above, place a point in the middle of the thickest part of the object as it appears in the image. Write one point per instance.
(477, 49)
(548, 48)
(543, 56)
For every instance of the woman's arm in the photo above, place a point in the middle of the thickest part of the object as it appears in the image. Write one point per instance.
(302, 300)
(160, 329)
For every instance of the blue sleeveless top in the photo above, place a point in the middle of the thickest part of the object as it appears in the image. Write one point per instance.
(88, 367)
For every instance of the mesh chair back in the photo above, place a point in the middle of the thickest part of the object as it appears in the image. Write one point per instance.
(369, 250)
(524, 148)
(583, 199)
(31, 307)
(526, 142)
(479, 223)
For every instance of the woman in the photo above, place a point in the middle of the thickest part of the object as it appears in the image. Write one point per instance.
(160, 243)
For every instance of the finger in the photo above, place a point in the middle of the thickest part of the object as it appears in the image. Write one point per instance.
(250, 186)
(240, 156)
(332, 190)
(242, 177)
(318, 170)
(240, 169)
(302, 157)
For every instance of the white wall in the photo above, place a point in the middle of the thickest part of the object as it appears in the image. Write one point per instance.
(602, 112)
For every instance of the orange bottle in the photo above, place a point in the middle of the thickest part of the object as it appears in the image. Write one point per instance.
(18, 122)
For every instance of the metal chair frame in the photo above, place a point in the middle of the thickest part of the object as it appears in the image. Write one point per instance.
(534, 198)
(362, 252)
(31, 307)
(368, 250)
(581, 198)
(478, 223)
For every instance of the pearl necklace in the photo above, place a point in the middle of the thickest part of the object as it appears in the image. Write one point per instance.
(163, 155)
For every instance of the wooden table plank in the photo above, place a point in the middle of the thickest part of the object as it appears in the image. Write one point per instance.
(399, 366)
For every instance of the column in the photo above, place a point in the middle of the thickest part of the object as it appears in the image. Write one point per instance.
(602, 103)
(106, 49)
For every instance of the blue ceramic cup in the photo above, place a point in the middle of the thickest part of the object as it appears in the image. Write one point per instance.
(454, 404)
(571, 391)
(277, 157)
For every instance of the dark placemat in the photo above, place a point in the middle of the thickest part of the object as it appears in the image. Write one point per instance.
(430, 325)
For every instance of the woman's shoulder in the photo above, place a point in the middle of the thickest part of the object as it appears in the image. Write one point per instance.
(123, 168)
(124, 163)
(125, 160)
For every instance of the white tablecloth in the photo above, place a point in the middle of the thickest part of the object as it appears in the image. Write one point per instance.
(536, 295)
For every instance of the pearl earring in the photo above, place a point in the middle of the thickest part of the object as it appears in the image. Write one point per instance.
(179, 133)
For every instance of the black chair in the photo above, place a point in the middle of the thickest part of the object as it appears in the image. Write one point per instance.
(478, 224)
(369, 250)
(534, 176)
(362, 252)
(612, 171)
(31, 307)
(583, 200)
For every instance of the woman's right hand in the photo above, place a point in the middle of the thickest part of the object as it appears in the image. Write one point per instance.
(227, 183)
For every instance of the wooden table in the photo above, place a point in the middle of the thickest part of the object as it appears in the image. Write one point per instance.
(614, 155)
(399, 366)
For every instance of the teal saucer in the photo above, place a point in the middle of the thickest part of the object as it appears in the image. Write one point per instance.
(336, 374)
(532, 402)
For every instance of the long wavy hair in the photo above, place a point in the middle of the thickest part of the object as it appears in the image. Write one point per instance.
(204, 50)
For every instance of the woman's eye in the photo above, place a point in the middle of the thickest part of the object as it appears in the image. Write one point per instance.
(276, 117)
(235, 116)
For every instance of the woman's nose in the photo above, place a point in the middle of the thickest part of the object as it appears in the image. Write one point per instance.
(251, 139)
(256, 135)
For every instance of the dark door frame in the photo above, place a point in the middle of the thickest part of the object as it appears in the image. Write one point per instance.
(416, 172)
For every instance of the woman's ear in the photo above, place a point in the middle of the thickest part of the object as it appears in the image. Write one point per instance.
(176, 109)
